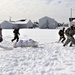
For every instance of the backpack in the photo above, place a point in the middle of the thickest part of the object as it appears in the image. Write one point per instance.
(67, 31)
(70, 32)
(61, 32)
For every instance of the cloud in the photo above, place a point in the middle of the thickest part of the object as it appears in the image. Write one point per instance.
(35, 9)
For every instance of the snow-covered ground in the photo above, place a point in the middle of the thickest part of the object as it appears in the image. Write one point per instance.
(49, 58)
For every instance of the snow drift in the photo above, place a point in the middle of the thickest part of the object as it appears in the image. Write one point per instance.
(49, 58)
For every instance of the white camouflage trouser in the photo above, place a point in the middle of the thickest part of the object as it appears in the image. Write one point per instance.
(69, 39)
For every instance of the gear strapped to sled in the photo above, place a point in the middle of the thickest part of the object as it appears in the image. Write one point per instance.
(26, 43)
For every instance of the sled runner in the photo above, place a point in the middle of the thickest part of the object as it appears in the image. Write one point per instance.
(26, 43)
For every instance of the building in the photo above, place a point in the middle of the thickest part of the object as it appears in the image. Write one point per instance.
(47, 23)
(6, 25)
(29, 24)
(72, 23)
(19, 24)
(22, 24)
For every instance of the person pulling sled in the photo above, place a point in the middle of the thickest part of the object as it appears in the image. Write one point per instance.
(70, 32)
(16, 35)
(62, 36)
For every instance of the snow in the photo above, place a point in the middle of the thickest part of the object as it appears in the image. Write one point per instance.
(49, 58)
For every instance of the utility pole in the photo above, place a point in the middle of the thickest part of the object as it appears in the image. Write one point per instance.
(71, 17)
(9, 19)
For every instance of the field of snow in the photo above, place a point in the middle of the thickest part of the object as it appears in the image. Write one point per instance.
(49, 58)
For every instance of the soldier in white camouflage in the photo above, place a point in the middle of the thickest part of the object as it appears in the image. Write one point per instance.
(70, 32)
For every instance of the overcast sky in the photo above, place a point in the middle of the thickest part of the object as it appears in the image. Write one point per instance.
(35, 9)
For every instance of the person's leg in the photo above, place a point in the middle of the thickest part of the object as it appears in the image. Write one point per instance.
(67, 42)
(13, 39)
(60, 38)
(63, 39)
(72, 41)
(71, 44)
(17, 38)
